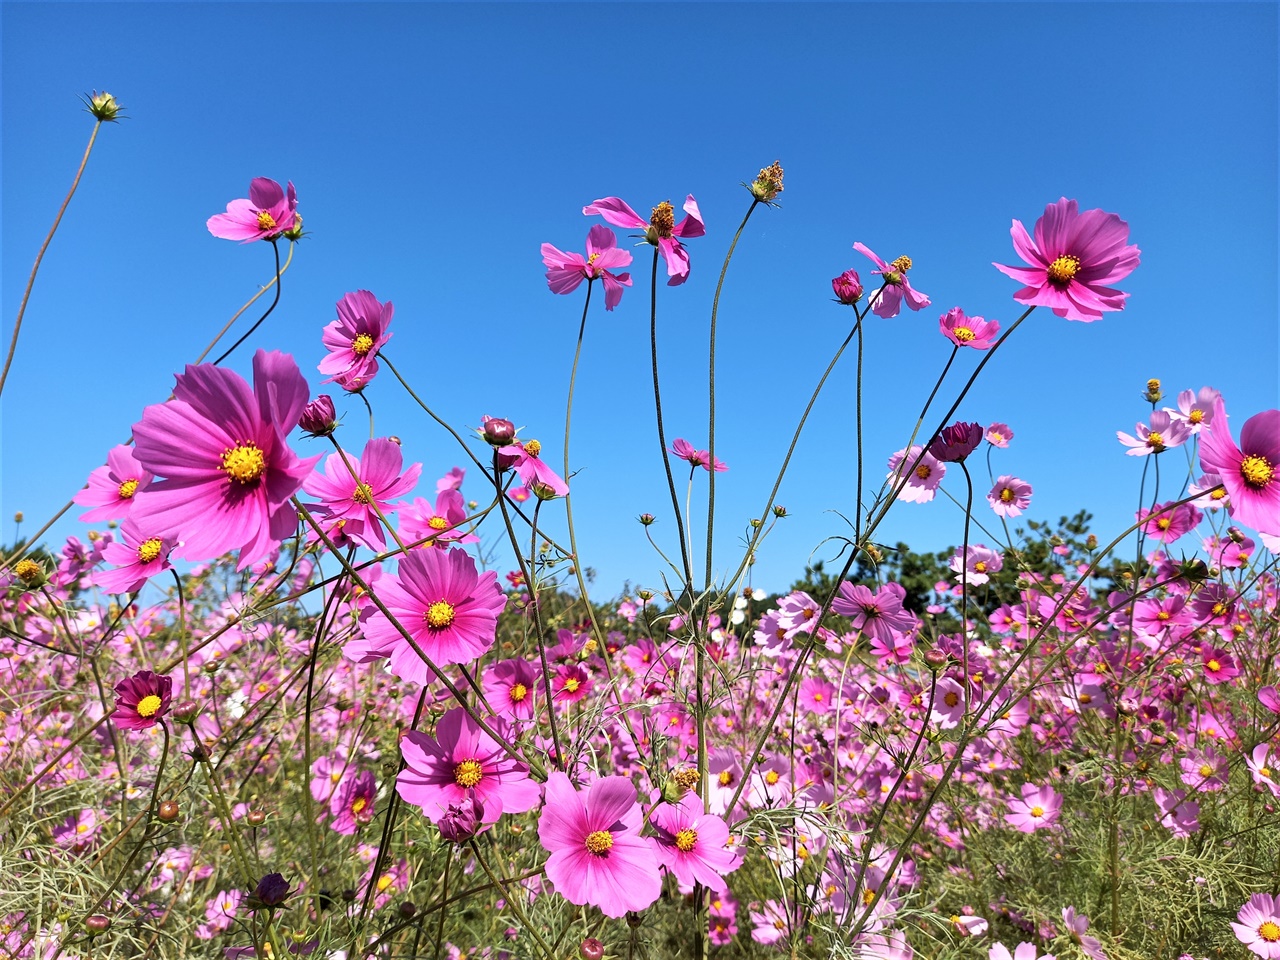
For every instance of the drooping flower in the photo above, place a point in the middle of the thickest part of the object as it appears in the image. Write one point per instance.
(136, 558)
(449, 609)
(597, 854)
(923, 480)
(355, 489)
(567, 270)
(112, 487)
(351, 805)
(660, 230)
(1257, 925)
(141, 700)
(268, 212)
(1037, 807)
(1010, 496)
(1071, 258)
(1251, 471)
(354, 340)
(956, 442)
(692, 845)
(463, 762)
(221, 447)
(887, 302)
(973, 332)
(1162, 433)
(1076, 925)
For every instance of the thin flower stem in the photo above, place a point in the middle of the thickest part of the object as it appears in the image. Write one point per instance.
(857, 416)
(31, 280)
(182, 638)
(275, 248)
(444, 895)
(964, 585)
(513, 901)
(247, 304)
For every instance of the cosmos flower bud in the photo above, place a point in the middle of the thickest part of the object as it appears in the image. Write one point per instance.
(591, 949)
(168, 811)
(1091, 542)
(497, 431)
(1154, 394)
(103, 106)
(1236, 534)
(768, 184)
(956, 442)
(99, 924)
(271, 891)
(847, 287)
(18, 517)
(647, 519)
(318, 417)
(779, 511)
(294, 232)
(644, 595)
(461, 821)
(407, 909)
(936, 659)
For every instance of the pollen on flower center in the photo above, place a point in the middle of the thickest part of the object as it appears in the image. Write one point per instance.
(468, 773)
(1196, 416)
(599, 842)
(572, 684)
(359, 804)
(663, 219)
(902, 264)
(148, 705)
(361, 345)
(725, 778)
(1206, 770)
(128, 489)
(385, 881)
(1006, 495)
(980, 567)
(1037, 811)
(1164, 523)
(1269, 931)
(1257, 471)
(1155, 440)
(532, 447)
(964, 334)
(244, 463)
(266, 221)
(438, 523)
(686, 840)
(518, 693)
(148, 550)
(772, 777)
(1063, 269)
(363, 493)
(951, 698)
(439, 615)
(923, 471)
(1213, 666)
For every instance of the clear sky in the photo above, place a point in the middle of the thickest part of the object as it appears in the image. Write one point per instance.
(435, 147)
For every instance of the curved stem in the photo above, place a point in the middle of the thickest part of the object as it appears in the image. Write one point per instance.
(247, 304)
(275, 247)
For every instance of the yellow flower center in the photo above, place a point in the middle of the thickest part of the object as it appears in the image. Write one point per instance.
(1264, 772)
(1164, 523)
(725, 778)
(128, 489)
(599, 842)
(1269, 931)
(439, 615)
(438, 523)
(266, 221)
(1006, 495)
(1196, 416)
(148, 705)
(1163, 615)
(980, 566)
(468, 773)
(532, 447)
(923, 471)
(772, 777)
(385, 881)
(1214, 666)
(1062, 270)
(963, 334)
(361, 345)
(1219, 608)
(818, 697)
(572, 684)
(663, 219)
(82, 828)
(245, 463)
(867, 896)
(1037, 811)
(1206, 770)
(1218, 494)
(686, 839)
(363, 493)
(1257, 471)
(1155, 440)
(518, 693)
(359, 804)
(902, 264)
(335, 776)
(592, 258)
(148, 550)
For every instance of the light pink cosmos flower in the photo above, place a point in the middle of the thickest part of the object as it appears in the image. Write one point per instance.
(597, 854)
(463, 762)
(268, 212)
(977, 564)
(660, 230)
(1251, 471)
(354, 340)
(450, 611)
(1171, 524)
(358, 501)
(1257, 925)
(1071, 258)
(351, 805)
(111, 488)
(136, 558)
(229, 472)
(924, 478)
(973, 332)
(1177, 815)
(1037, 807)
(947, 705)
(1010, 496)
(999, 435)
(1259, 764)
(877, 614)
(888, 301)
(567, 270)
(1023, 951)
(1076, 925)
(1195, 409)
(692, 845)
(1162, 433)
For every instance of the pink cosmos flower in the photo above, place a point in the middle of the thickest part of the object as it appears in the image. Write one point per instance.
(570, 684)
(1171, 524)
(692, 845)
(699, 458)
(1072, 256)
(924, 478)
(568, 270)
(1251, 471)
(111, 488)
(1219, 665)
(1195, 409)
(847, 287)
(947, 705)
(597, 854)
(1076, 925)
(1162, 433)
(351, 805)
(877, 614)
(450, 611)
(136, 558)
(509, 686)
(268, 212)
(965, 331)
(977, 564)
(463, 762)
(887, 302)
(999, 435)
(357, 502)
(1023, 951)
(660, 230)
(1010, 496)
(540, 478)
(442, 523)
(141, 700)
(1037, 807)
(222, 448)
(956, 442)
(1204, 770)
(1259, 764)
(1257, 925)
(354, 340)
(1177, 815)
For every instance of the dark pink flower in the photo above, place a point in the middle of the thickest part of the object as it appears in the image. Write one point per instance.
(597, 854)
(567, 270)
(1251, 471)
(346, 498)
(660, 229)
(888, 301)
(847, 287)
(1072, 256)
(509, 686)
(351, 805)
(692, 845)
(540, 478)
(354, 339)
(699, 458)
(111, 488)
(136, 558)
(956, 442)
(965, 331)
(268, 212)
(1219, 665)
(141, 700)
(441, 523)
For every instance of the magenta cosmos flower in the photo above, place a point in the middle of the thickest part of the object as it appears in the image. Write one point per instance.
(660, 229)
(354, 339)
(692, 845)
(438, 598)
(1251, 471)
(877, 614)
(111, 488)
(597, 854)
(1257, 925)
(268, 212)
(352, 804)
(699, 458)
(565, 271)
(353, 501)
(136, 558)
(141, 700)
(221, 447)
(887, 302)
(1158, 436)
(462, 762)
(1072, 256)
(974, 332)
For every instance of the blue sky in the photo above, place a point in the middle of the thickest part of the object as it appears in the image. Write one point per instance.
(434, 147)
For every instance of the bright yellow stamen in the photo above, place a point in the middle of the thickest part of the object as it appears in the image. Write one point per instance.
(335, 776)
(518, 693)
(266, 221)
(1164, 615)
(468, 773)
(951, 698)
(1219, 608)
(1006, 495)
(1063, 269)
(1264, 772)
(1164, 523)
(725, 778)
(244, 463)
(148, 705)
(82, 828)
(1196, 416)
(867, 896)
(1155, 440)
(1269, 931)
(772, 777)
(439, 615)
(923, 471)
(599, 842)
(359, 804)
(1213, 666)
(572, 684)
(148, 550)
(980, 566)
(363, 493)
(128, 489)
(1257, 471)
(1206, 770)
(532, 447)
(902, 264)
(685, 840)
(385, 881)
(361, 345)
(1037, 811)
(438, 523)
(963, 334)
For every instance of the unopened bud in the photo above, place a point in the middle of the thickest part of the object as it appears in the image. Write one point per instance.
(756, 524)
(186, 711)
(644, 595)
(497, 431)
(294, 232)
(936, 659)
(1091, 542)
(103, 106)
(407, 909)
(256, 818)
(318, 417)
(847, 287)
(168, 811)
(396, 440)
(591, 949)
(647, 519)
(1236, 534)
(18, 517)
(97, 924)
(779, 511)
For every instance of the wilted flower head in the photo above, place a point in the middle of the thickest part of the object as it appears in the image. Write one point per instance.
(956, 442)
(768, 184)
(103, 106)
